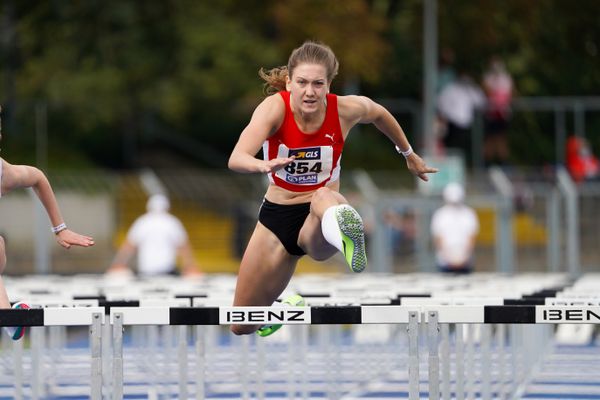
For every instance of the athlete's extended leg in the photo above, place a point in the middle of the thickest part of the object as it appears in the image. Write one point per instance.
(265, 271)
(332, 222)
(17, 332)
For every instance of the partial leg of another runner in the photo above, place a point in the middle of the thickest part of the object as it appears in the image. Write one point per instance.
(15, 333)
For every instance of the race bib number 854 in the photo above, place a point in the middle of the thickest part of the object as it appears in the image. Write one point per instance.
(312, 165)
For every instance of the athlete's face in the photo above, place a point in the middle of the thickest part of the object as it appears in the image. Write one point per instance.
(308, 86)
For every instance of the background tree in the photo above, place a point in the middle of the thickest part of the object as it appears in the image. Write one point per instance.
(123, 77)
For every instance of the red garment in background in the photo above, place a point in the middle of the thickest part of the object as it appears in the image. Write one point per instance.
(581, 163)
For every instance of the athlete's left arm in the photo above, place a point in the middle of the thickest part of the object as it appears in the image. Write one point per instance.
(363, 110)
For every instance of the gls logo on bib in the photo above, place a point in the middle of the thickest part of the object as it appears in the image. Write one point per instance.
(311, 153)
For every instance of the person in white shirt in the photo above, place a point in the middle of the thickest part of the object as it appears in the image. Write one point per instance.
(159, 238)
(456, 105)
(454, 227)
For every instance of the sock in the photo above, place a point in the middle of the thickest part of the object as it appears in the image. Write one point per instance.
(331, 228)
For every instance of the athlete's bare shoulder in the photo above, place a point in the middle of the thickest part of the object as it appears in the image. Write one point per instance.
(270, 111)
(272, 104)
(353, 108)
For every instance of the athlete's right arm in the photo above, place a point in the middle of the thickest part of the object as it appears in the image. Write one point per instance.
(265, 121)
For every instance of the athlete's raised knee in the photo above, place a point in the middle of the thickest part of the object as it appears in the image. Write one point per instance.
(323, 193)
(324, 198)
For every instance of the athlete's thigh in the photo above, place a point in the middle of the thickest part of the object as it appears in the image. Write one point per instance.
(312, 241)
(311, 238)
(265, 270)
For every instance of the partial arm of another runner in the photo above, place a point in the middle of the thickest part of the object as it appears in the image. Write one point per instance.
(24, 176)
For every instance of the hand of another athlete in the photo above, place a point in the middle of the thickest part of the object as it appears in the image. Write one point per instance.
(276, 164)
(417, 166)
(68, 238)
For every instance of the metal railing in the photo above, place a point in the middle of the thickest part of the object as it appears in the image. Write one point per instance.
(530, 222)
(563, 109)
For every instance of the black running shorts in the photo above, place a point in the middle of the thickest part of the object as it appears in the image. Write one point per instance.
(285, 221)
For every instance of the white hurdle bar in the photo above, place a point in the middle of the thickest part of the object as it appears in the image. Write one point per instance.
(432, 315)
(51, 317)
(476, 314)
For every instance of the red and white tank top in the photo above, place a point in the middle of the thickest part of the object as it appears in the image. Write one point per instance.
(318, 154)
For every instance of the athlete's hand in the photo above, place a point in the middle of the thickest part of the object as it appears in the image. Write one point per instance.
(417, 166)
(68, 238)
(276, 164)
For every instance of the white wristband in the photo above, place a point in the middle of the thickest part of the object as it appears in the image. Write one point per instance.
(59, 228)
(405, 153)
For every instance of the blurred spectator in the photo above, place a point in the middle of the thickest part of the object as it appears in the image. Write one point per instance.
(446, 73)
(457, 103)
(498, 87)
(454, 227)
(581, 163)
(401, 229)
(159, 239)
